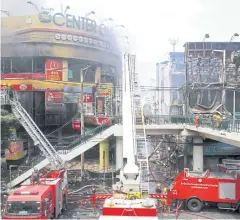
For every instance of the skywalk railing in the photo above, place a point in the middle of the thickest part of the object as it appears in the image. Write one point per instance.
(89, 134)
(228, 124)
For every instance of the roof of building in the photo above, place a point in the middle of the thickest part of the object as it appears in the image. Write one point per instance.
(176, 54)
(212, 45)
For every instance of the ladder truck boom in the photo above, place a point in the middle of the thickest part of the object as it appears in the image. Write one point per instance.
(37, 136)
(10, 97)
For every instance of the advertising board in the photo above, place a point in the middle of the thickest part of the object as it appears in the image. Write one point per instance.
(54, 97)
(15, 151)
(40, 76)
(104, 90)
(54, 70)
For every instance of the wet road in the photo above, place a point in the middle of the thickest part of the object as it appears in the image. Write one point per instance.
(74, 210)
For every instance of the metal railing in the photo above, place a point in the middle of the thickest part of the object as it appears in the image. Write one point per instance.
(229, 125)
(89, 134)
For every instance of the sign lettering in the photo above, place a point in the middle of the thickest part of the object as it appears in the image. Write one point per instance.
(72, 21)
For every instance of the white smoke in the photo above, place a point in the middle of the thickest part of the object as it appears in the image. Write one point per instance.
(21, 7)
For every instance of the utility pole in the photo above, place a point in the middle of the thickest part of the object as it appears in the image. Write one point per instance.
(234, 108)
(82, 120)
(224, 78)
(186, 79)
(82, 76)
(162, 92)
(157, 95)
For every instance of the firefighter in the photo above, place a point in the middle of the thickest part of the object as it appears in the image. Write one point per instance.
(10, 92)
(217, 120)
(164, 201)
(196, 120)
(35, 176)
(158, 189)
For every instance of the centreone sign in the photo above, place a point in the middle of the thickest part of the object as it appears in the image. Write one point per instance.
(72, 21)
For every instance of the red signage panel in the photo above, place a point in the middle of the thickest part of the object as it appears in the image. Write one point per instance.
(88, 98)
(54, 70)
(19, 87)
(41, 76)
(54, 97)
(94, 120)
(76, 125)
(22, 87)
(54, 75)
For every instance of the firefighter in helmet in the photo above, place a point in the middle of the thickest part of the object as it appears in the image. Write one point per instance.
(35, 175)
(158, 189)
(164, 201)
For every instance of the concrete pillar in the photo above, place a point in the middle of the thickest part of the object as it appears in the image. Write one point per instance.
(185, 161)
(104, 154)
(65, 70)
(119, 153)
(98, 75)
(198, 154)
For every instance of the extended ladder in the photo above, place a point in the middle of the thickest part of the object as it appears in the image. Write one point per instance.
(140, 134)
(37, 136)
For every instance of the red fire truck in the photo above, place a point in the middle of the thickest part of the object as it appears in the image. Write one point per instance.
(44, 197)
(39, 201)
(199, 189)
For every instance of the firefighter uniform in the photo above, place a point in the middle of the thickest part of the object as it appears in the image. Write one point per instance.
(164, 201)
(158, 189)
(35, 176)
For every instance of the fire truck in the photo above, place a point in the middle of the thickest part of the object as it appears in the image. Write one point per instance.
(209, 188)
(44, 200)
(46, 196)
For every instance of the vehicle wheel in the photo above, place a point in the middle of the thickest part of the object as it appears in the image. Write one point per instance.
(194, 205)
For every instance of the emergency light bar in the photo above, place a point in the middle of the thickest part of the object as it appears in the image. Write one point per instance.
(26, 193)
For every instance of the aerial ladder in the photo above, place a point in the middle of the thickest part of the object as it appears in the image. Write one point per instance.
(140, 134)
(52, 158)
(35, 133)
(135, 174)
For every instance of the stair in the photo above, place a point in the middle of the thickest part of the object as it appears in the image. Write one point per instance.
(70, 154)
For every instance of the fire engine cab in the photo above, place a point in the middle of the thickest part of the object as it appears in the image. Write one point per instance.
(43, 200)
(198, 189)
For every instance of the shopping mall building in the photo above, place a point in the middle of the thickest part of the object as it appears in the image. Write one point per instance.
(43, 57)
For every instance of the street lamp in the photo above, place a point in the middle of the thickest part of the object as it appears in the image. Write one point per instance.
(67, 8)
(234, 35)
(126, 37)
(106, 19)
(90, 13)
(205, 37)
(82, 76)
(33, 4)
(120, 26)
(6, 12)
